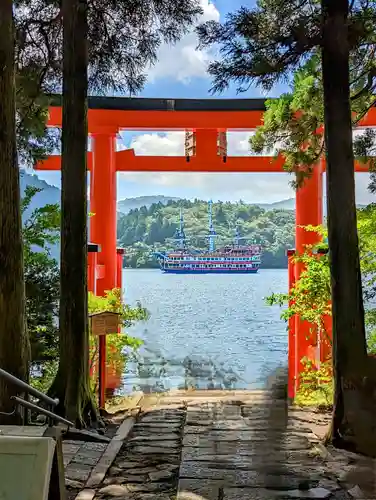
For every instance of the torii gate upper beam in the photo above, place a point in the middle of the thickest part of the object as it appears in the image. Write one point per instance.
(108, 115)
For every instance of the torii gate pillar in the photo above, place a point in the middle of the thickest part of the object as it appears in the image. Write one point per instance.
(103, 207)
(308, 213)
(103, 228)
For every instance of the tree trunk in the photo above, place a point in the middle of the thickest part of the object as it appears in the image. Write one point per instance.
(13, 337)
(351, 410)
(72, 385)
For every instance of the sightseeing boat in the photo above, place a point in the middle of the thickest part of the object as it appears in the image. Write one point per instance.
(234, 258)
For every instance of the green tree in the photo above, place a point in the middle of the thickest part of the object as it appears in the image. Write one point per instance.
(87, 64)
(42, 278)
(71, 385)
(13, 335)
(274, 228)
(123, 39)
(263, 45)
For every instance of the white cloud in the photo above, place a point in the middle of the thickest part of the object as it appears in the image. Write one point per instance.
(172, 144)
(250, 187)
(182, 62)
(159, 144)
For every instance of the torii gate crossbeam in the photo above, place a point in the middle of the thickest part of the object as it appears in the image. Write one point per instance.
(206, 118)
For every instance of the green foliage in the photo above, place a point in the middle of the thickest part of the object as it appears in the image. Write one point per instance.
(112, 301)
(293, 123)
(40, 229)
(145, 230)
(309, 298)
(279, 38)
(119, 346)
(316, 385)
(123, 40)
(42, 378)
(367, 246)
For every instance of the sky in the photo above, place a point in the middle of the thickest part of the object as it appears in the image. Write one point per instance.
(181, 72)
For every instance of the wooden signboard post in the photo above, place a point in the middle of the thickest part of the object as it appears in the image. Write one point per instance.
(102, 324)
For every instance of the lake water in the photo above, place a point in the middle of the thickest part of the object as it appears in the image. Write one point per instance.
(209, 331)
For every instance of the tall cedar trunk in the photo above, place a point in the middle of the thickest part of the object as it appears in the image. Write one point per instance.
(71, 385)
(13, 338)
(351, 414)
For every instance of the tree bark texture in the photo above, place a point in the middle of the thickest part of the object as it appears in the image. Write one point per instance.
(13, 337)
(351, 410)
(71, 385)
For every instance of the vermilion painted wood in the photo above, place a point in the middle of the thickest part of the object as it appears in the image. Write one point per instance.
(127, 161)
(107, 116)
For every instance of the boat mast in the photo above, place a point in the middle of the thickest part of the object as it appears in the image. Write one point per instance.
(237, 237)
(212, 233)
(180, 235)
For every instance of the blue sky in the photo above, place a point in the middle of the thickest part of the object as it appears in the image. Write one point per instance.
(181, 72)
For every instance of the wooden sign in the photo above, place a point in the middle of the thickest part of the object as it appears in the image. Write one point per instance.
(104, 323)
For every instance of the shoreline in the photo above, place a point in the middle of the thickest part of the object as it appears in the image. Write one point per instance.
(158, 269)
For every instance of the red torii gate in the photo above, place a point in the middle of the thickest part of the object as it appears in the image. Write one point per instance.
(206, 118)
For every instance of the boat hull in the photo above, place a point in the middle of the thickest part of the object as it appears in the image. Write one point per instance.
(208, 271)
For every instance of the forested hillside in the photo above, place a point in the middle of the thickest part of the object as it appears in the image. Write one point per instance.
(145, 230)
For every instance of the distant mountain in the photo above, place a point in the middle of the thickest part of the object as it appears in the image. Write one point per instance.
(48, 195)
(288, 204)
(128, 204)
(145, 231)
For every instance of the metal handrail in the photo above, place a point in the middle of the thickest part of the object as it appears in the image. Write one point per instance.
(43, 411)
(28, 388)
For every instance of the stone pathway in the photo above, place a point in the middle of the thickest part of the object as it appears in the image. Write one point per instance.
(214, 446)
(231, 453)
(80, 458)
(147, 466)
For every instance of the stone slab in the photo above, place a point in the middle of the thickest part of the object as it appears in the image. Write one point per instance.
(255, 463)
(246, 439)
(85, 494)
(222, 451)
(124, 429)
(74, 485)
(67, 459)
(71, 449)
(249, 494)
(199, 420)
(100, 470)
(94, 446)
(98, 473)
(83, 458)
(159, 426)
(259, 428)
(114, 490)
(78, 471)
(264, 494)
(127, 403)
(154, 436)
(236, 477)
(155, 449)
(195, 489)
(155, 442)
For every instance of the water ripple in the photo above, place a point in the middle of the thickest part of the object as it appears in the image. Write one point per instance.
(205, 331)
